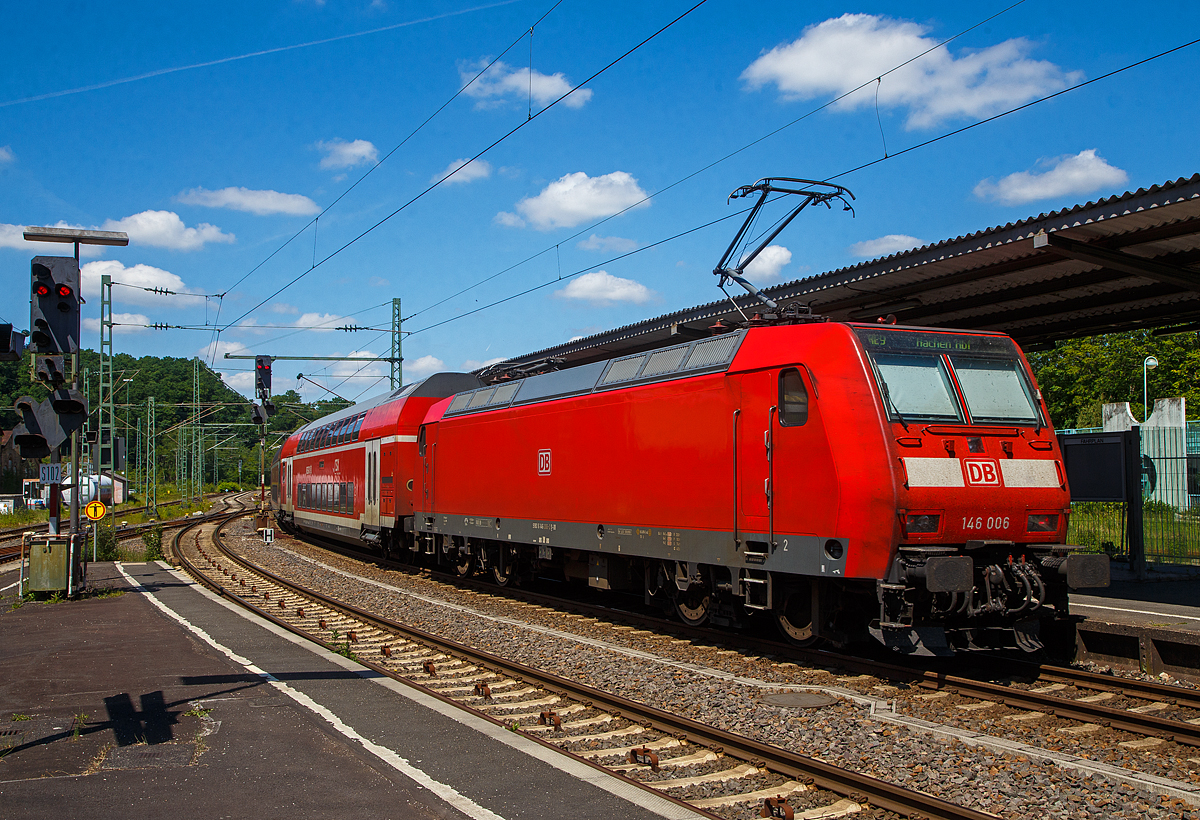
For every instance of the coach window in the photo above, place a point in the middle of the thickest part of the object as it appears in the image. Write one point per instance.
(793, 399)
(357, 426)
(349, 494)
(421, 442)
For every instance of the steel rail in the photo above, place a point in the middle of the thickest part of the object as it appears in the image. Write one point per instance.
(1137, 723)
(854, 785)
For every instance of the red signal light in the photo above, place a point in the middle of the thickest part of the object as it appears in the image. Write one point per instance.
(64, 291)
(41, 289)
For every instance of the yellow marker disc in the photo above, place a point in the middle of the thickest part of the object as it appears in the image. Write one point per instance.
(95, 510)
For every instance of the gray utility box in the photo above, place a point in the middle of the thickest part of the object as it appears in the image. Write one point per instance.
(48, 564)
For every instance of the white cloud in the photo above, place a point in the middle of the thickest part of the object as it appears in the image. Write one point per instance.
(359, 370)
(884, 246)
(471, 364)
(255, 202)
(508, 220)
(122, 323)
(479, 169)
(164, 229)
(242, 381)
(841, 53)
(138, 276)
(608, 244)
(378, 282)
(424, 366)
(1067, 175)
(6, 154)
(601, 288)
(217, 350)
(284, 308)
(342, 154)
(576, 198)
(502, 83)
(767, 266)
(12, 236)
(322, 322)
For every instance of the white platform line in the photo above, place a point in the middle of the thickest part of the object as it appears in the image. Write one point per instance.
(515, 740)
(1133, 611)
(443, 791)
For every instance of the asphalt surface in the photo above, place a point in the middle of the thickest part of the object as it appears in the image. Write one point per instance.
(110, 707)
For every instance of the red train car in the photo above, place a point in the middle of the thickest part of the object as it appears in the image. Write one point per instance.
(349, 475)
(849, 480)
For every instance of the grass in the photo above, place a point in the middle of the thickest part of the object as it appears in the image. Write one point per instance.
(1171, 535)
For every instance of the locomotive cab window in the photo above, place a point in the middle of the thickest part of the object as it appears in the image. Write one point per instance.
(996, 390)
(916, 386)
(793, 399)
(421, 442)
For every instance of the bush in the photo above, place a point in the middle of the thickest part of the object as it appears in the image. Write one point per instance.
(153, 540)
(228, 487)
(106, 541)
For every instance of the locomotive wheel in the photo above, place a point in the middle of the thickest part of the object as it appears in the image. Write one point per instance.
(509, 575)
(694, 606)
(793, 616)
(464, 567)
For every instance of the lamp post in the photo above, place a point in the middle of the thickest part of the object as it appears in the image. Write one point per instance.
(1149, 363)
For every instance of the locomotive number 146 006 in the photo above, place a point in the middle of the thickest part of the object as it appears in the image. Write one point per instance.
(991, 522)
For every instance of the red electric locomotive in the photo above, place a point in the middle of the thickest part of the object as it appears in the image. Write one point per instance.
(849, 480)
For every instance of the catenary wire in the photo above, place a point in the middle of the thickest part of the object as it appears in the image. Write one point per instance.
(718, 161)
(314, 221)
(468, 162)
(836, 176)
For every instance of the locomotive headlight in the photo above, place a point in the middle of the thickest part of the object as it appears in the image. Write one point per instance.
(921, 524)
(1042, 522)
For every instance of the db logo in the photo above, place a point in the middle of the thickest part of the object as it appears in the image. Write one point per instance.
(543, 462)
(980, 471)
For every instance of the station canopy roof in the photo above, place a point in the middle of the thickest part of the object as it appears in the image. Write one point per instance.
(1126, 262)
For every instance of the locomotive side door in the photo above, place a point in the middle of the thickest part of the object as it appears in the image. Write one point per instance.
(371, 488)
(754, 426)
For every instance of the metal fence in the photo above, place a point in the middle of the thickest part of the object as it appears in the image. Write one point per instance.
(1170, 479)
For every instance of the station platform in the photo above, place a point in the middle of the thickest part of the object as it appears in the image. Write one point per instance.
(1152, 624)
(167, 700)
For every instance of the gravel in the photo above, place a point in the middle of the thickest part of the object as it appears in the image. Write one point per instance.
(843, 733)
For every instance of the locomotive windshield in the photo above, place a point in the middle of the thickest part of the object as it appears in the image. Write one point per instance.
(917, 373)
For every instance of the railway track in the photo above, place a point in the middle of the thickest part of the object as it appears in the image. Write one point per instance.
(1128, 730)
(17, 532)
(12, 551)
(1151, 710)
(681, 759)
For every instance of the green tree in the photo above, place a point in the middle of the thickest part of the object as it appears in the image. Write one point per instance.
(1078, 376)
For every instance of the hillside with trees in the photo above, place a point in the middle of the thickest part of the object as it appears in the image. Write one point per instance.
(225, 413)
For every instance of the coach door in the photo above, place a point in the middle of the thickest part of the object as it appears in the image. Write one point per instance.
(371, 494)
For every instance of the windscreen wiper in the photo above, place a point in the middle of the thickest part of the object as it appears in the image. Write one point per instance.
(887, 396)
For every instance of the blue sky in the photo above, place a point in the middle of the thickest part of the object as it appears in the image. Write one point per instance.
(156, 121)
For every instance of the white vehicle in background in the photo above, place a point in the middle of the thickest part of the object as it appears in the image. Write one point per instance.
(91, 487)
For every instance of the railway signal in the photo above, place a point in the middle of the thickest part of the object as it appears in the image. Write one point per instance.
(54, 305)
(12, 344)
(43, 428)
(262, 376)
